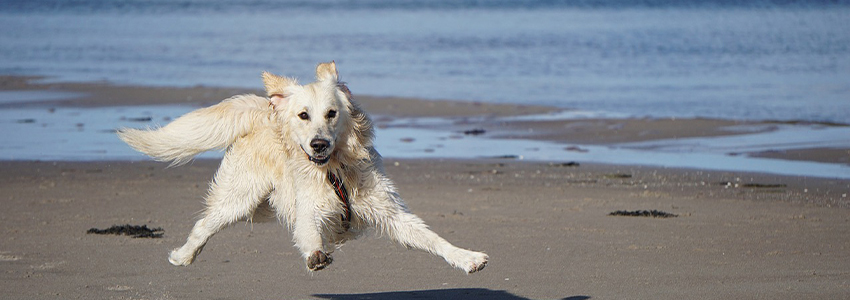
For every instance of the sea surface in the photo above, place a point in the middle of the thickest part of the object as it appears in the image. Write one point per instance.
(787, 61)
(753, 60)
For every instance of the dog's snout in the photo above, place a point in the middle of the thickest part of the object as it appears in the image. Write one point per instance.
(319, 145)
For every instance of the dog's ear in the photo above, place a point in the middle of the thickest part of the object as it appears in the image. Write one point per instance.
(275, 86)
(327, 71)
(277, 100)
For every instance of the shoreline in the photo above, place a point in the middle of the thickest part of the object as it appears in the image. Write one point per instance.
(492, 121)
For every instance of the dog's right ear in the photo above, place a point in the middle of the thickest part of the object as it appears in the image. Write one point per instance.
(275, 86)
(277, 100)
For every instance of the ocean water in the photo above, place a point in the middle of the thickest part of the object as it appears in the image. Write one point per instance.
(762, 60)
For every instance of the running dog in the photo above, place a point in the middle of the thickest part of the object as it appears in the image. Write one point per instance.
(306, 152)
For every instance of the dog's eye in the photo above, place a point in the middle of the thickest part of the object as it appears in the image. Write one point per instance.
(304, 116)
(331, 114)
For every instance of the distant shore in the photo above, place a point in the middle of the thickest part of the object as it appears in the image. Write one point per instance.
(590, 131)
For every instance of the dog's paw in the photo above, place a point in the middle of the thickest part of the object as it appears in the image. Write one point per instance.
(478, 263)
(318, 260)
(179, 259)
(470, 261)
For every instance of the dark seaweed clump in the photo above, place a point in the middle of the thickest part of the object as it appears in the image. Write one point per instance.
(643, 213)
(134, 231)
(754, 185)
(476, 131)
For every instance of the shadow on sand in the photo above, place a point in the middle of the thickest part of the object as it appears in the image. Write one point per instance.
(447, 294)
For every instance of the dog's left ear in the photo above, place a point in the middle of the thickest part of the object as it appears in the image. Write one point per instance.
(327, 71)
(275, 86)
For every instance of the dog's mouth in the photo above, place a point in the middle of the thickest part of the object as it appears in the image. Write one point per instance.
(317, 159)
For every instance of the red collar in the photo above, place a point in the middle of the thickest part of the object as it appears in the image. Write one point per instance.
(342, 194)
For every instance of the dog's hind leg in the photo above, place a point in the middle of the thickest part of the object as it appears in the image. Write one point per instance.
(234, 194)
(409, 230)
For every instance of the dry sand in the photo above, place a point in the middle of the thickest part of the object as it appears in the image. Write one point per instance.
(545, 226)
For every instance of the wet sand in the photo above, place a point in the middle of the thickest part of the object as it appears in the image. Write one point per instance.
(827, 155)
(106, 94)
(545, 226)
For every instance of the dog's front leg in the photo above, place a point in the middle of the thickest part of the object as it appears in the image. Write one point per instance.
(307, 235)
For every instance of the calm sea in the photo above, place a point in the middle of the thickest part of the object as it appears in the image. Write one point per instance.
(716, 59)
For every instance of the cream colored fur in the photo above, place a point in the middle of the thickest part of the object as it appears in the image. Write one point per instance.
(279, 150)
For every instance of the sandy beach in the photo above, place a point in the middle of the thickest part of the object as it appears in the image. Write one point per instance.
(545, 225)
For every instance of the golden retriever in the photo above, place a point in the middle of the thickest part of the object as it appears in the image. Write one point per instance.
(306, 150)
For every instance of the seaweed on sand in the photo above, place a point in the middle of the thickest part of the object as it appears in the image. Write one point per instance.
(643, 213)
(134, 231)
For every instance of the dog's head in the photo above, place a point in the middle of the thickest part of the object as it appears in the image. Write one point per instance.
(319, 119)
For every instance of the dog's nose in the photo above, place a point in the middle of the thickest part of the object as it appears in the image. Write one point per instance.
(319, 145)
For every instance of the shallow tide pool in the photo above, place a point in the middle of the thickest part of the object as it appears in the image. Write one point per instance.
(86, 134)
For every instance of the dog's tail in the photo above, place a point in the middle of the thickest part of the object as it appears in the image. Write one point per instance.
(214, 127)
